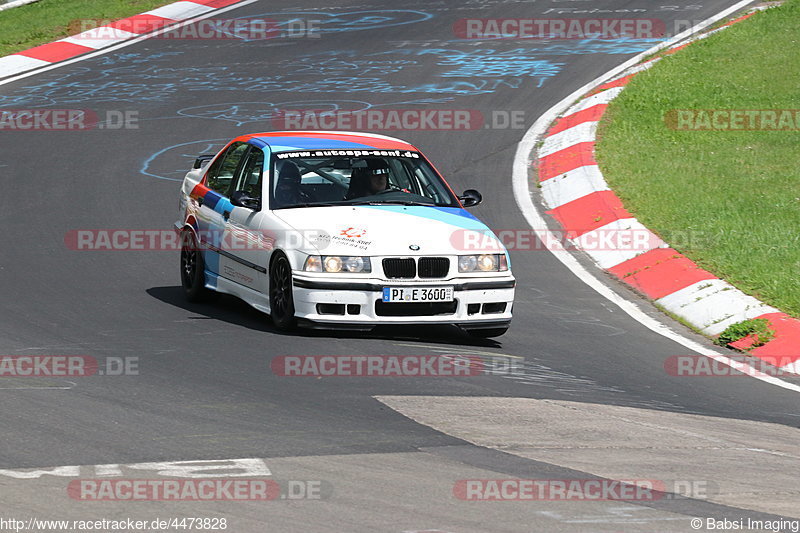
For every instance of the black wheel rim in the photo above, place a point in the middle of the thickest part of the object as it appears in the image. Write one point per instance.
(188, 261)
(281, 287)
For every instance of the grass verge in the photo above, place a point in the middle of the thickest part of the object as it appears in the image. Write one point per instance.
(49, 20)
(736, 194)
(757, 327)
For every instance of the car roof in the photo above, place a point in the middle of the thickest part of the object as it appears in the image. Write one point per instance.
(280, 141)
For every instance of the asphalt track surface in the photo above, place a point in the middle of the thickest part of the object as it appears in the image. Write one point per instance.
(204, 389)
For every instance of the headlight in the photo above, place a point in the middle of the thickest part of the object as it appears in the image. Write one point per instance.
(313, 264)
(332, 263)
(356, 264)
(337, 263)
(483, 263)
(467, 263)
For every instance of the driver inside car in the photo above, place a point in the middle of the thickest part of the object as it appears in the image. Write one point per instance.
(287, 187)
(370, 177)
(378, 180)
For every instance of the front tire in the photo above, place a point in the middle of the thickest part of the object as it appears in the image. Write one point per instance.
(281, 298)
(193, 278)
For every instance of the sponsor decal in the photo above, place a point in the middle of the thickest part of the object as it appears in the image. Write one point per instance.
(352, 153)
(352, 233)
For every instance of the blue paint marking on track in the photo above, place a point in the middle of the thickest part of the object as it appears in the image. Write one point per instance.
(242, 113)
(452, 72)
(318, 22)
(166, 158)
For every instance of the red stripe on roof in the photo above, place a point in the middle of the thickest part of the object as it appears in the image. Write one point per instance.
(591, 114)
(374, 142)
(660, 272)
(590, 212)
(57, 51)
(140, 24)
(561, 162)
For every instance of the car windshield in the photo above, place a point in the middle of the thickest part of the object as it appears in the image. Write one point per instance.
(355, 177)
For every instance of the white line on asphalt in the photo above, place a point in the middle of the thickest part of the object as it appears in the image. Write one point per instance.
(522, 195)
(455, 350)
(35, 388)
(249, 467)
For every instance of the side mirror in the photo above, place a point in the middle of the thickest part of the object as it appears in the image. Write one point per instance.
(202, 160)
(242, 199)
(470, 198)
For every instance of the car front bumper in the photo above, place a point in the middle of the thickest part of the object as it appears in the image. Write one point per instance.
(478, 302)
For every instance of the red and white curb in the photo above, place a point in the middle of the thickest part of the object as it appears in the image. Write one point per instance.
(578, 197)
(104, 36)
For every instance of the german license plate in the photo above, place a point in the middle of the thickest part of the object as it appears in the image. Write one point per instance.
(417, 294)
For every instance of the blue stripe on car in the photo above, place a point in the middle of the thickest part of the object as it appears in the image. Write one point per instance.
(455, 216)
(210, 198)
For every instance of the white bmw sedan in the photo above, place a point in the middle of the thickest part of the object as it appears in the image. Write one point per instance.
(338, 229)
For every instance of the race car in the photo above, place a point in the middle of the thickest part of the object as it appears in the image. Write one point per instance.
(340, 229)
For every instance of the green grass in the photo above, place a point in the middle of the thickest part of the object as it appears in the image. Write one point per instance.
(49, 20)
(758, 327)
(736, 195)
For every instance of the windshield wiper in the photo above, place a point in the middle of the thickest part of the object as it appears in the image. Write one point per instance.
(312, 204)
(390, 202)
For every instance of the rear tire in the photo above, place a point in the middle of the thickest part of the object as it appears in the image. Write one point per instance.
(281, 298)
(487, 333)
(193, 278)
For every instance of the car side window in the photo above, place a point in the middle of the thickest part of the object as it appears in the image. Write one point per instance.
(249, 180)
(222, 170)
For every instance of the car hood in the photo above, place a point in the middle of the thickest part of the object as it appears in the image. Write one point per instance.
(380, 230)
